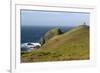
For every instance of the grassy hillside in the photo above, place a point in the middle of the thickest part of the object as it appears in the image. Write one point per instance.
(72, 45)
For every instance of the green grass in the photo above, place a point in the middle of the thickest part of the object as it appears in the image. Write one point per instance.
(72, 45)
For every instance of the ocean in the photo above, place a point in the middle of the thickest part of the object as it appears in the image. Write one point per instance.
(34, 33)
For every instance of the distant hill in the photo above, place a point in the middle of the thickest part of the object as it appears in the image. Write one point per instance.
(71, 45)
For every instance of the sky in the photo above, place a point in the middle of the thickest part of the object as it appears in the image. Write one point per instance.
(51, 18)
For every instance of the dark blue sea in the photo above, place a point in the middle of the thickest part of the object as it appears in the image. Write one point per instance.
(34, 33)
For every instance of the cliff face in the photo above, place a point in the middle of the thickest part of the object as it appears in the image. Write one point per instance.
(50, 34)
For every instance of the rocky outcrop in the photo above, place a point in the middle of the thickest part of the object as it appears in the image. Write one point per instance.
(50, 34)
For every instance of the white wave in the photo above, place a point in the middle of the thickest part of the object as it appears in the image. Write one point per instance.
(30, 46)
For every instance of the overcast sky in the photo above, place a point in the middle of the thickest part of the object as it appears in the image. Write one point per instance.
(49, 18)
